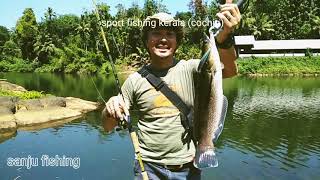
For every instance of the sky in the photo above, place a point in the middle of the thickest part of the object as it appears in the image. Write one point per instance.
(11, 10)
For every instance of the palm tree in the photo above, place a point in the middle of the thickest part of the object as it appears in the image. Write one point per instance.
(84, 31)
(44, 47)
(49, 18)
(260, 26)
(315, 20)
(50, 14)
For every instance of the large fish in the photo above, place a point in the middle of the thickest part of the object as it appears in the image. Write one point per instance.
(210, 106)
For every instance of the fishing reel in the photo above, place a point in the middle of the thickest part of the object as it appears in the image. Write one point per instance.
(124, 124)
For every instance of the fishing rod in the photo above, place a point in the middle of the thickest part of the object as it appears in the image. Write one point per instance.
(133, 134)
(114, 41)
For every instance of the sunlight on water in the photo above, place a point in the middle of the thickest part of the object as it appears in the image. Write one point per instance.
(277, 102)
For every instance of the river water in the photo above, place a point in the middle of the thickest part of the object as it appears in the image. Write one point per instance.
(272, 131)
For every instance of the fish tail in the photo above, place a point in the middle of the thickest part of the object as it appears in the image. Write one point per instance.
(205, 158)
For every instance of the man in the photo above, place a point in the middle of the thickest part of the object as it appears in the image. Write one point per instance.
(164, 153)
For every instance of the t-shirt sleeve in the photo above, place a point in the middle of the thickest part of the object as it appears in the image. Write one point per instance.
(128, 91)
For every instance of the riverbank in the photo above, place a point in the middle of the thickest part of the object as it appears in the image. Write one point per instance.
(268, 66)
(279, 66)
(253, 66)
(19, 108)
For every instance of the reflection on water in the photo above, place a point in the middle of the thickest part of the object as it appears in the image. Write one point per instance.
(271, 132)
(7, 135)
(64, 84)
(273, 128)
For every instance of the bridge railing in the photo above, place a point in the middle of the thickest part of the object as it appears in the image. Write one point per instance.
(247, 46)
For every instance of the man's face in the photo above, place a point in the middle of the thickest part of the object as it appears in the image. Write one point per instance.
(161, 43)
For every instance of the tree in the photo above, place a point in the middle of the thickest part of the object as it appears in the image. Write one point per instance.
(199, 13)
(121, 11)
(66, 26)
(150, 8)
(134, 11)
(84, 30)
(11, 50)
(287, 18)
(104, 10)
(161, 7)
(259, 25)
(185, 16)
(4, 35)
(315, 24)
(50, 16)
(44, 47)
(27, 30)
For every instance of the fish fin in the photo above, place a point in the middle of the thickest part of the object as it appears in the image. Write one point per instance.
(218, 131)
(203, 60)
(205, 158)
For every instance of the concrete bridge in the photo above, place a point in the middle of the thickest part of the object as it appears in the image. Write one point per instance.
(247, 46)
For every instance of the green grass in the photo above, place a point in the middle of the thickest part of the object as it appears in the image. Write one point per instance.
(22, 95)
(279, 65)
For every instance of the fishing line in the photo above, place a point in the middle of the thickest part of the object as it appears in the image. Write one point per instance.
(133, 134)
(98, 90)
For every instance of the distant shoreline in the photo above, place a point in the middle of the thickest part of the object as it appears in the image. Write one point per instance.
(252, 66)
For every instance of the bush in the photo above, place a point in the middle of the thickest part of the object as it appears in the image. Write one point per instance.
(11, 49)
(279, 65)
(45, 68)
(22, 95)
(16, 65)
(4, 66)
(309, 52)
(87, 68)
(187, 52)
(22, 66)
(71, 68)
(105, 68)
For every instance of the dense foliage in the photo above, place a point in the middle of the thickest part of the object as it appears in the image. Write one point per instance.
(72, 44)
(280, 65)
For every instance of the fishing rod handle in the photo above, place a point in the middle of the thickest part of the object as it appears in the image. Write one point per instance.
(145, 176)
(135, 141)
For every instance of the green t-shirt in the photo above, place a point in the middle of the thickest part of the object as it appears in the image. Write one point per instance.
(160, 130)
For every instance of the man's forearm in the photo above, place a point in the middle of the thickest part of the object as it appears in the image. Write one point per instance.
(230, 15)
(108, 122)
(228, 58)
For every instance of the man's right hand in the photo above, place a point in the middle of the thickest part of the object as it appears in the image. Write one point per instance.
(114, 111)
(116, 107)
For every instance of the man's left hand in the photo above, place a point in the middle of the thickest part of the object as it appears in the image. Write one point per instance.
(230, 15)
